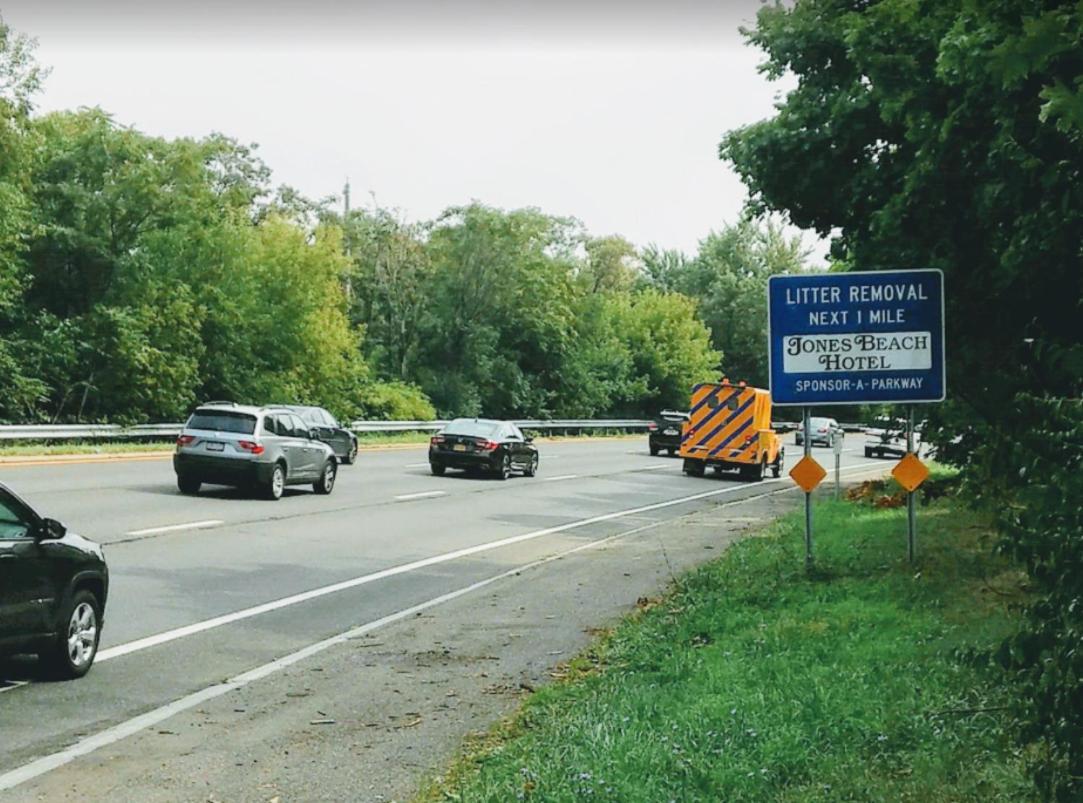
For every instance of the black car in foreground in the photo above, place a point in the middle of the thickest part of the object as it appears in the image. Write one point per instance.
(329, 430)
(664, 432)
(481, 444)
(53, 586)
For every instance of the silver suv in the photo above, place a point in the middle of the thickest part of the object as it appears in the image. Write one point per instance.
(264, 448)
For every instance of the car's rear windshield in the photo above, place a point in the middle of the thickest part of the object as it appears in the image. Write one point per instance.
(674, 416)
(476, 429)
(223, 421)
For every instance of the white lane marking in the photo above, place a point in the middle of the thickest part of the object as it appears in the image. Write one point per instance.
(123, 730)
(8, 685)
(305, 596)
(422, 495)
(295, 599)
(416, 465)
(657, 467)
(561, 477)
(192, 525)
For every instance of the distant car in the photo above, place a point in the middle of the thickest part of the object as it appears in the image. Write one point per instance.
(888, 439)
(664, 432)
(820, 431)
(496, 447)
(53, 587)
(262, 448)
(329, 430)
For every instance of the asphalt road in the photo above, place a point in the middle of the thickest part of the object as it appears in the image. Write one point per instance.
(223, 587)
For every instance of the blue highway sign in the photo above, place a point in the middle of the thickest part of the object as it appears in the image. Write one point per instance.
(854, 338)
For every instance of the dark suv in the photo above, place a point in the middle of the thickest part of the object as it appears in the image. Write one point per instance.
(263, 448)
(53, 586)
(329, 430)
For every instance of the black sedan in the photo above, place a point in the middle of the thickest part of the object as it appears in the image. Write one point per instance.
(328, 429)
(481, 444)
(53, 586)
(664, 432)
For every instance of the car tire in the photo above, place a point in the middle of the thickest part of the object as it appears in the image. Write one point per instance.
(276, 485)
(326, 483)
(351, 456)
(868, 452)
(75, 645)
(654, 450)
(437, 469)
(693, 468)
(532, 469)
(504, 470)
(188, 485)
(752, 473)
(672, 452)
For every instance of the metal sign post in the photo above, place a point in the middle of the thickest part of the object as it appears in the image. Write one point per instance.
(806, 424)
(910, 517)
(836, 445)
(857, 337)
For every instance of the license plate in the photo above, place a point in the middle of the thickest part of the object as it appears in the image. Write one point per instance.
(459, 447)
(216, 447)
(669, 432)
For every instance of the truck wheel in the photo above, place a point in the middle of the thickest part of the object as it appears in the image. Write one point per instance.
(776, 467)
(693, 468)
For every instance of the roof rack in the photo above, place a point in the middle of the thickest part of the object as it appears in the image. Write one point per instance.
(218, 401)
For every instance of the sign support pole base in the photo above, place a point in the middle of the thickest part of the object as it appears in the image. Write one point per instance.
(805, 423)
(911, 524)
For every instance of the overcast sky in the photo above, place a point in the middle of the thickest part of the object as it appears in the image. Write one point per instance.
(608, 112)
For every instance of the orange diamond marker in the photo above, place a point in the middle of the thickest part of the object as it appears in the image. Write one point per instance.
(910, 472)
(807, 473)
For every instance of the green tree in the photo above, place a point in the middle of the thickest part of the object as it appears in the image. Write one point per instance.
(391, 276)
(501, 311)
(728, 278)
(670, 348)
(611, 264)
(20, 78)
(950, 135)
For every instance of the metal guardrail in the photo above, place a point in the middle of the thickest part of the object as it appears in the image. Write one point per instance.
(74, 432)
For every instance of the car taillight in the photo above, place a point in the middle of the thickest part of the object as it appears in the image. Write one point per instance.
(436, 440)
(652, 426)
(750, 438)
(487, 446)
(249, 446)
(184, 440)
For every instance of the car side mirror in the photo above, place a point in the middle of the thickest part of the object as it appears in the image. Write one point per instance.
(51, 530)
(528, 439)
(313, 434)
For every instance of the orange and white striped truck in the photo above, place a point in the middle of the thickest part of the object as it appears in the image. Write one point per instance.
(729, 427)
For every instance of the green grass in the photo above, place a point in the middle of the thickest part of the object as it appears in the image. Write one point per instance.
(751, 681)
(106, 447)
